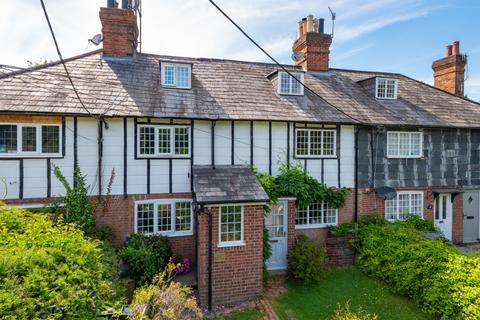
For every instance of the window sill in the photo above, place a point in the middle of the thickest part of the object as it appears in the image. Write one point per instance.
(405, 157)
(162, 157)
(315, 157)
(291, 94)
(170, 234)
(313, 226)
(231, 244)
(30, 156)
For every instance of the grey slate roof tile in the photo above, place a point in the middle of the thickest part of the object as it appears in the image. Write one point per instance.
(226, 184)
(224, 89)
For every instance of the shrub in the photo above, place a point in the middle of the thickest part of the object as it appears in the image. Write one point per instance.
(146, 255)
(51, 270)
(341, 229)
(415, 222)
(307, 261)
(440, 279)
(345, 313)
(267, 251)
(164, 299)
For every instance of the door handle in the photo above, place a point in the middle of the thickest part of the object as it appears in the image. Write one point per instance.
(273, 241)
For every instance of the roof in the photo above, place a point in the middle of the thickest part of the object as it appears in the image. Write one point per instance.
(226, 184)
(225, 90)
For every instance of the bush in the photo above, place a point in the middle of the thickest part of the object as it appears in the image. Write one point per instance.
(345, 313)
(307, 261)
(146, 255)
(341, 229)
(440, 279)
(415, 222)
(164, 299)
(51, 270)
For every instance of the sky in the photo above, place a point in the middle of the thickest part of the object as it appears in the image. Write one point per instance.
(383, 35)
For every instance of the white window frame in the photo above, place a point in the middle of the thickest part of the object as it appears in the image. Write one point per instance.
(172, 232)
(175, 83)
(397, 154)
(38, 153)
(170, 154)
(321, 155)
(309, 225)
(298, 75)
(395, 81)
(397, 199)
(240, 242)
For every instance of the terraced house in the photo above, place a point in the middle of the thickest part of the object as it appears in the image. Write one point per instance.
(179, 133)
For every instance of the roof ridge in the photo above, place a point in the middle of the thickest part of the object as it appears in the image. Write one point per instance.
(49, 64)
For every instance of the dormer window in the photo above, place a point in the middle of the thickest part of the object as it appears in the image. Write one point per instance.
(176, 75)
(288, 85)
(386, 88)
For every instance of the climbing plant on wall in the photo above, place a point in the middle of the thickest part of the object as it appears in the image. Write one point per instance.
(294, 181)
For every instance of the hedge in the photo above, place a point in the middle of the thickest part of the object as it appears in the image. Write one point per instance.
(50, 270)
(443, 281)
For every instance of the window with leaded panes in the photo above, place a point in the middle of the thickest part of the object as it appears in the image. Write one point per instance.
(316, 215)
(163, 141)
(386, 88)
(315, 143)
(404, 144)
(176, 75)
(161, 216)
(231, 225)
(404, 203)
(289, 85)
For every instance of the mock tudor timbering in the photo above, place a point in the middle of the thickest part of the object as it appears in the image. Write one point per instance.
(186, 150)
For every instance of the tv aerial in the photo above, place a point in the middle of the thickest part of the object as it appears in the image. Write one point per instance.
(334, 15)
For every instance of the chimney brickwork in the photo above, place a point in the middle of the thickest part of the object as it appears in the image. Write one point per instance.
(120, 31)
(449, 72)
(312, 46)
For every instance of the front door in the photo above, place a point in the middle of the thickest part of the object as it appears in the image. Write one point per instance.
(443, 214)
(470, 215)
(276, 223)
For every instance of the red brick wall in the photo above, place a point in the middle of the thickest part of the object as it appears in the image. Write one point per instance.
(236, 271)
(292, 210)
(119, 29)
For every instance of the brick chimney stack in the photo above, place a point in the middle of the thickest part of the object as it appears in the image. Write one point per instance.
(449, 72)
(119, 29)
(312, 48)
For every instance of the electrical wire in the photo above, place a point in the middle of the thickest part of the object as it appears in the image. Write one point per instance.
(61, 59)
(276, 62)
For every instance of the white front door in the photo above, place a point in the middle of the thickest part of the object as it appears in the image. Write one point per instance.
(443, 214)
(276, 222)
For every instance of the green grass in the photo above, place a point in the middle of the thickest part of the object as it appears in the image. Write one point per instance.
(249, 314)
(340, 286)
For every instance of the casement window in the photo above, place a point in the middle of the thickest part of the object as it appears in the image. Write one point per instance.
(386, 88)
(317, 215)
(405, 203)
(288, 85)
(231, 226)
(30, 140)
(315, 143)
(176, 75)
(167, 217)
(404, 144)
(163, 141)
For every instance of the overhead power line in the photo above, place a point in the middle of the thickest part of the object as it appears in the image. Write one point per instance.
(275, 61)
(61, 59)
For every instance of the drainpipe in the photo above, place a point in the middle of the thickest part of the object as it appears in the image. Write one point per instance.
(210, 236)
(196, 212)
(356, 174)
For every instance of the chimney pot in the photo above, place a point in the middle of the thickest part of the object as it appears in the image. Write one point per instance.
(449, 50)
(312, 45)
(456, 48)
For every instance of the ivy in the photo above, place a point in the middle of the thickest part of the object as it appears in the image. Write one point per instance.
(294, 181)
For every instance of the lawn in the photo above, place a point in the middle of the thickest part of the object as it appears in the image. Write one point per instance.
(249, 314)
(341, 286)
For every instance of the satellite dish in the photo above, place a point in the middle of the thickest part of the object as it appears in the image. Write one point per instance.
(297, 56)
(96, 39)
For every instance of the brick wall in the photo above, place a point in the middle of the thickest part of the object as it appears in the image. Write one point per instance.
(119, 29)
(236, 271)
(340, 251)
